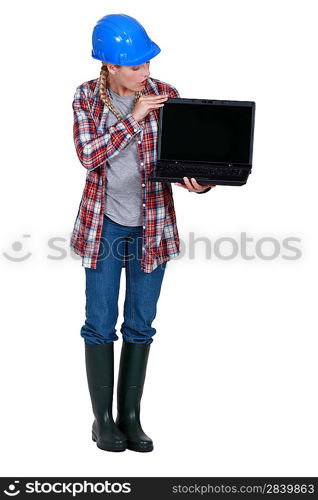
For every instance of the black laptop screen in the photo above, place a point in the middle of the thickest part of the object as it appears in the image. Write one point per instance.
(209, 132)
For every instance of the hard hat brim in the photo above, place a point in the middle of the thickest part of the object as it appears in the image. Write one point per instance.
(153, 52)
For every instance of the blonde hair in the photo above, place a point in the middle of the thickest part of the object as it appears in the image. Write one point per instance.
(103, 83)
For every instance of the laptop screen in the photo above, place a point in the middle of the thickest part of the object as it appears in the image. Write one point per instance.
(206, 132)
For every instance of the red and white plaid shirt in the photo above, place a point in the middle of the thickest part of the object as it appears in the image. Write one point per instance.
(95, 143)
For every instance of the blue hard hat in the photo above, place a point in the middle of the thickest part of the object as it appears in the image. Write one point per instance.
(121, 39)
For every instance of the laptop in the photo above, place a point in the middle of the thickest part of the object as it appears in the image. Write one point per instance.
(210, 140)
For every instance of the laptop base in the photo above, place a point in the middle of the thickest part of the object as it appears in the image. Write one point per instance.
(203, 174)
(226, 182)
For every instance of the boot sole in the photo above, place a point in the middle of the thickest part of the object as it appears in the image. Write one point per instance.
(139, 448)
(106, 447)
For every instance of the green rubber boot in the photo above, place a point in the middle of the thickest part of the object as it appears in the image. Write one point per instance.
(131, 378)
(100, 376)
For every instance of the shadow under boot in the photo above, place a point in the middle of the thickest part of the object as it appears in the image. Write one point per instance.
(131, 378)
(99, 360)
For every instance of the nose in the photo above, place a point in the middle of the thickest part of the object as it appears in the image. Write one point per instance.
(147, 72)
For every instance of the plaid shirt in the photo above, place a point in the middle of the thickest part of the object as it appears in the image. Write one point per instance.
(95, 143)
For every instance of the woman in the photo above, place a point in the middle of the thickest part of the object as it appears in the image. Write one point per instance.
(123, 220)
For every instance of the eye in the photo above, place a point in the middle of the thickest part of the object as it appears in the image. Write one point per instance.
(136, 68)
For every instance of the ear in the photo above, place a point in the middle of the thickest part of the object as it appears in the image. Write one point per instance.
(111, 67)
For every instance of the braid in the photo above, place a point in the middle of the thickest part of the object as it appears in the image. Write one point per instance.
(103, 83)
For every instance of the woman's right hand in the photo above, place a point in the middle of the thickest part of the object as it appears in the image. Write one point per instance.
(147, 103)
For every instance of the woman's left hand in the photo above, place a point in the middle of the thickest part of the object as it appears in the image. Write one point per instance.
(195, 187)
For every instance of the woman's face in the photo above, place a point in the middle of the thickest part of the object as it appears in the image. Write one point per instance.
(130, 77)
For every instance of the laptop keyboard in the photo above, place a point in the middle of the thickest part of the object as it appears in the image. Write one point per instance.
(202, 170)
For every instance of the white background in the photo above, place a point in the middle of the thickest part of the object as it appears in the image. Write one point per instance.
(231, 387)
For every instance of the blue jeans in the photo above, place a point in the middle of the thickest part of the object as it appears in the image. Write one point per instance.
(102, 288)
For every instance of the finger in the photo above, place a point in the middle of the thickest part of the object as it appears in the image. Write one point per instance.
(150, 98)
(197, 185)
(154, 104)
(181, 185)
(160, 101)
(156, 95)
(188, 183)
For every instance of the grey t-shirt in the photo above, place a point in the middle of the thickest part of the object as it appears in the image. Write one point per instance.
(123, 187)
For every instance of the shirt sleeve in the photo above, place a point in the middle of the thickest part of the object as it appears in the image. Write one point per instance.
(174, 93)
(93, 149)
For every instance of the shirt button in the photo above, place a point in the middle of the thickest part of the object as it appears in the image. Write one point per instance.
(135, 129)
(139, 142)
(143, 185)
(144, 204)
(144, 227)
(128, 135)
(142, 163)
